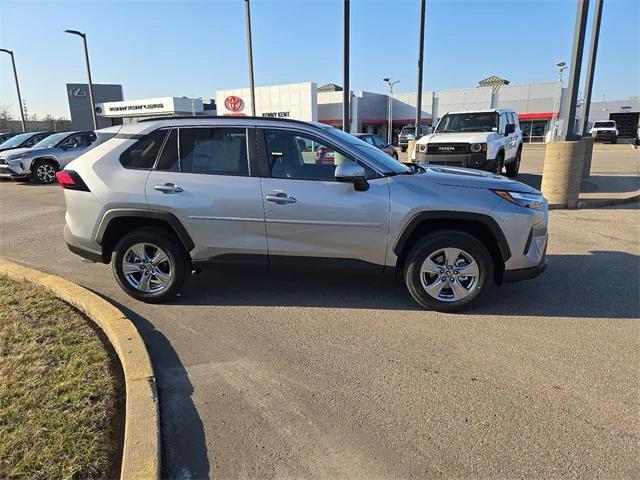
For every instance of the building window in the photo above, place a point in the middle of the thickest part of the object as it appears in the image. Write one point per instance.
(534, 131)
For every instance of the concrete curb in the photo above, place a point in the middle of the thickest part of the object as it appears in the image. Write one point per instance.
(597, 203)
(141, 451)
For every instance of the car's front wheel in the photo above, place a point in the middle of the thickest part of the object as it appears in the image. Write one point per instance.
(150, 265)
(44, 171)
(448, 270)
(514, 167)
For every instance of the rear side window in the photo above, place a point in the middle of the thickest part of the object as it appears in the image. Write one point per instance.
(217, 151)
(143, 153)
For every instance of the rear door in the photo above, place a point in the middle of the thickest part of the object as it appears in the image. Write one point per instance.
(203, 177)
(309, 215)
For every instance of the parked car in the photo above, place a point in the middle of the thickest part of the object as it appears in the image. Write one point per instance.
(4, 136)
(484, 139)
(23, 140)
(45, 158)
(605, 130)
(378, 142)
(407, 133)
(168, 196)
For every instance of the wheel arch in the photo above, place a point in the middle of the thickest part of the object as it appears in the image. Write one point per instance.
(46, 158)
(482, 227)
(115, 223)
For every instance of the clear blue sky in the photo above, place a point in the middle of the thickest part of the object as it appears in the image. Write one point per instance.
(195, 47)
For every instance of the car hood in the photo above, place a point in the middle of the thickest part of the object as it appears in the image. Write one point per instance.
(466, 177)
(29, 151)
(10, 152)
(461, 137)
(11, 149)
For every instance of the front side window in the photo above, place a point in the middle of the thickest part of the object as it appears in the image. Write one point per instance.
(297, 156)
(143, 153)
(217, 151)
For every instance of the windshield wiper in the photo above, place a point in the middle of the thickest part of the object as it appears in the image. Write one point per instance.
(446, 131)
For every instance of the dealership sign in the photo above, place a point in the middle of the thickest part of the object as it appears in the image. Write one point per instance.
(151, 106)
(233, 103)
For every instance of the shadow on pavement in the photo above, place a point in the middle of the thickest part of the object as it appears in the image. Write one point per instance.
(604, 284)
(184, 448)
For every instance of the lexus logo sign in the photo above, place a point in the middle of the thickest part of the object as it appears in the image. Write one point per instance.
(78, 92)
(233, 103)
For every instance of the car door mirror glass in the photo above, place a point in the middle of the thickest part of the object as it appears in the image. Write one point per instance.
(510, 128)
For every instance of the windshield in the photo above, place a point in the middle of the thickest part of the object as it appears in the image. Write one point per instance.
(52, 140)
(378, 158)
(408, 131)
(604, 125)
(17, 140)
(468, 122)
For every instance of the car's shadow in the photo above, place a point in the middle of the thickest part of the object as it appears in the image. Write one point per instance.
(603, 284)
(183, 443)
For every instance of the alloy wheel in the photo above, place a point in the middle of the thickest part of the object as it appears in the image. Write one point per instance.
(449, 274)
(46, 173)
(147, 268)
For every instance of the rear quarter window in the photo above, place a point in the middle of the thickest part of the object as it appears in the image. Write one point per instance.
(142, 154)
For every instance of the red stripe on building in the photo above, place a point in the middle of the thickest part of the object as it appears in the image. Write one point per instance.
(537, 116)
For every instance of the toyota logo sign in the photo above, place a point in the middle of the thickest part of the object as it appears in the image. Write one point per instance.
(233, 103)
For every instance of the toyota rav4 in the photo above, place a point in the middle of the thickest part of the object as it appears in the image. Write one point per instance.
(487, 140)
(165, 197)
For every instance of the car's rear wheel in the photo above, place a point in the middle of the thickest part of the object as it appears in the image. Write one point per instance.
(403, 149)
(150, 265)
(614, 139)
(448, 271)
(514, 167)
(44, 171)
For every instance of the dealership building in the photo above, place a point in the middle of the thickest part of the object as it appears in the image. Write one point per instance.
(538, 106)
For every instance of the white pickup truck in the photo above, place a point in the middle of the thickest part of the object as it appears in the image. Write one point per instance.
(484, 139)
(606, 130)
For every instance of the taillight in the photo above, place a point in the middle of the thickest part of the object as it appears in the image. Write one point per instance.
(70, 180)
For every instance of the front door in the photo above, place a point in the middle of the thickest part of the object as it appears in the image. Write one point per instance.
(203, 177)
(309, 215)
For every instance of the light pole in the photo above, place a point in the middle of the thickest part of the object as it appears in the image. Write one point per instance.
(391, 82)
(252, 90)
(561, 67)
(420, 60)
(346, 89)
(15, 75)
(86, 57)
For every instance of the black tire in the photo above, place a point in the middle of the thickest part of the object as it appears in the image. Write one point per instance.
(178, 260)
(514, 167)
(499, 163)
(428, 247)
(403, 149)
(43, 171)
(614, 140)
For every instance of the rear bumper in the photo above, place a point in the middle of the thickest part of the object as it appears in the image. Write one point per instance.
(75, 245)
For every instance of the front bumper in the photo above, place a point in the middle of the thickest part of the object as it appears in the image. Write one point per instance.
(7, 171)
(468, 160)
(607, 135)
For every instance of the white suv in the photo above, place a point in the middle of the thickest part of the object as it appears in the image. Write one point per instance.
(606, 130)
(484, 139)
(165, 197)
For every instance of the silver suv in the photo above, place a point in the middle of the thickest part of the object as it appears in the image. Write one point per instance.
(164, 197)
(45, 158)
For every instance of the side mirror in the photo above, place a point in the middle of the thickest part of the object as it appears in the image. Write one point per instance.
(510, 128)
(351, 172)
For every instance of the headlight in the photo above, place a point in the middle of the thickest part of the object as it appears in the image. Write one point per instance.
(534, 201)
(478, 147)
(422, 147)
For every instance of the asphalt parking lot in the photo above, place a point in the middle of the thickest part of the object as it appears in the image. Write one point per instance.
(332, 376)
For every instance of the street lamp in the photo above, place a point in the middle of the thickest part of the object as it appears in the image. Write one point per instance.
(15, 75)
(252, 89)
(86, 57)
(561, 67)
(391, 82)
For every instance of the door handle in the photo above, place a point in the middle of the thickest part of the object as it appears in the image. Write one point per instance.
(281, 198)
(168, 188)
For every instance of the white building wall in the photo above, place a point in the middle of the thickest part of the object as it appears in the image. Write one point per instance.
(404, 105)
(463, 99)
(294, 100)
(532, 98)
